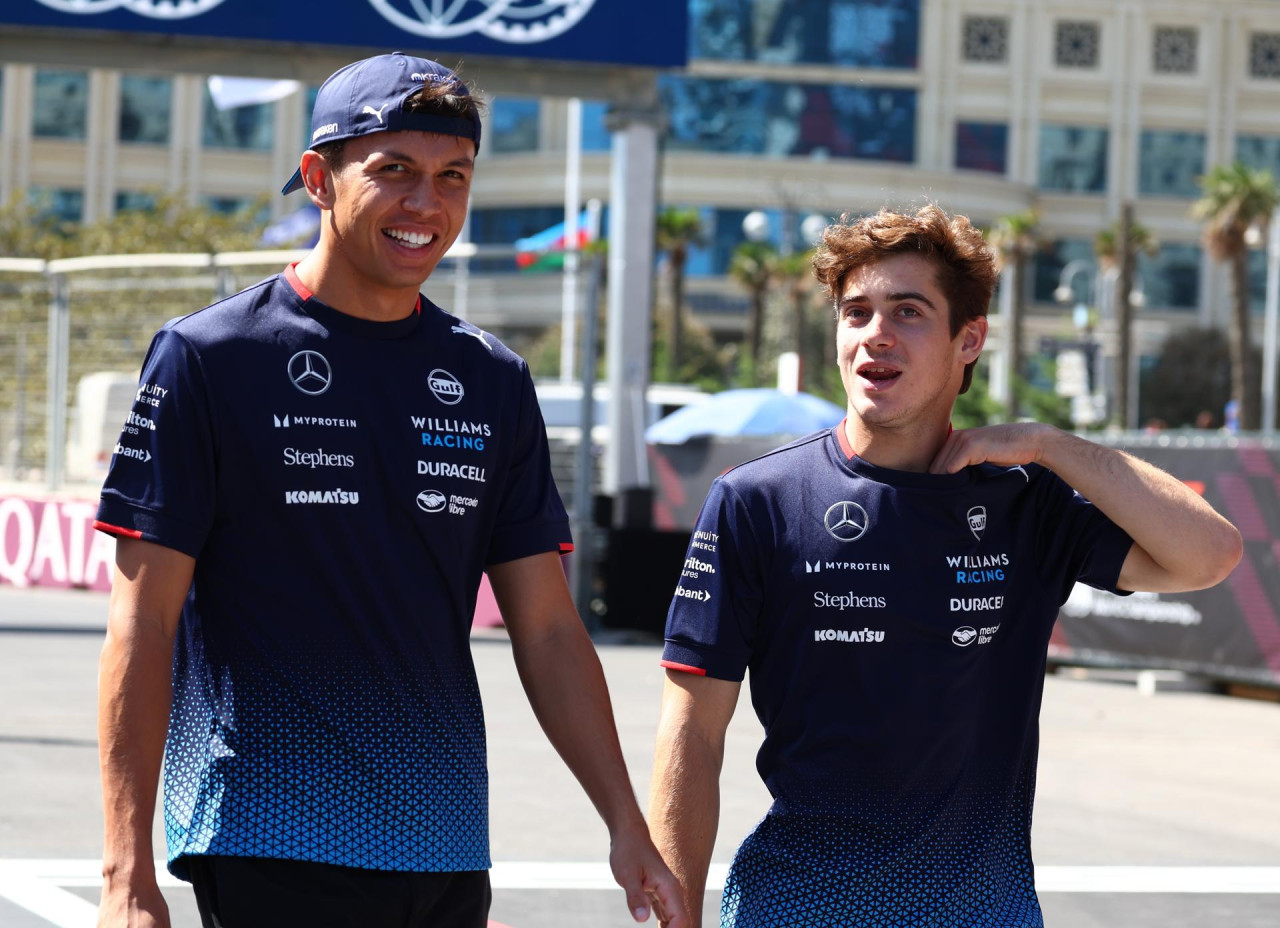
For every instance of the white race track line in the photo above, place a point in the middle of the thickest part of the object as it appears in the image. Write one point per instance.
(40, 886)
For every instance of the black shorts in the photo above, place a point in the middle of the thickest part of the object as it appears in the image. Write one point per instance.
(257, 892)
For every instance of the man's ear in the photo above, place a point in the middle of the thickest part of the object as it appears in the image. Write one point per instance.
(317, 177)
(972, 337)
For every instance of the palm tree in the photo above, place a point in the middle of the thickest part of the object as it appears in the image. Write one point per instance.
(1236, 197)
(1118, 247)
(1014, 239)
(677, 231)
(796, 271)
(755, 265)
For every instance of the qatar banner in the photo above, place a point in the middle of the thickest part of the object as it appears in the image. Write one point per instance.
(51, 543)
(1229, 632)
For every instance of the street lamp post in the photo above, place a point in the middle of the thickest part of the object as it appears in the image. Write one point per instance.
(1269, 334)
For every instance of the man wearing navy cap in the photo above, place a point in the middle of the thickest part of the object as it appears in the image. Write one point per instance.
(891, 584)
(315, 474)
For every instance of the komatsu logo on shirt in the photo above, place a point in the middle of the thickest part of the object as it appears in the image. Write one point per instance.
(338, 496)
(863, 636)
(445, 469)
(843, 601)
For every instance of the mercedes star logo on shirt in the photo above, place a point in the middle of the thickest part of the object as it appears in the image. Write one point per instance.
(310, 372)
(846, 521)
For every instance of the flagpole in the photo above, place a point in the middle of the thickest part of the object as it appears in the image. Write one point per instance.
(572, 206)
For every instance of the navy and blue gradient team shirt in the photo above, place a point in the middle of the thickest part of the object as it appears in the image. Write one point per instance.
(895, 625)
(341, 484)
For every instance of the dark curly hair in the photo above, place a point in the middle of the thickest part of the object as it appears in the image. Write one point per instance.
(965, 263)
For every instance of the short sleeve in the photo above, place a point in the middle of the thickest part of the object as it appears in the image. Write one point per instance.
(531, 518)
(161, 483)
(1077, 542)
(714, 614)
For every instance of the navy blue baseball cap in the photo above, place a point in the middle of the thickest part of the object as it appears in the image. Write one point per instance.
(368, 96)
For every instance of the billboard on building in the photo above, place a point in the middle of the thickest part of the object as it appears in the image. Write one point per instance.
(652, 33)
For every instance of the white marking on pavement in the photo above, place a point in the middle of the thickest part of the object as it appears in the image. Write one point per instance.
(40, 886)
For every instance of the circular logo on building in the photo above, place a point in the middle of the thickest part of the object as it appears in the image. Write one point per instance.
(153, 9)
(445, 386)
(515, 21)
(964, 636)
(431, 500)
(846, 521)
(309, 371)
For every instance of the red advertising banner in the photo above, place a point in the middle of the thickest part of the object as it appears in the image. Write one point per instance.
(50, 542)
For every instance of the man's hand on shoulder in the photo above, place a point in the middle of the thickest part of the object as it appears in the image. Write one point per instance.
(648, 883)
(1007, 445)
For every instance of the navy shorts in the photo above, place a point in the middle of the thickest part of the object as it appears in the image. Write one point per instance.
(257, 892)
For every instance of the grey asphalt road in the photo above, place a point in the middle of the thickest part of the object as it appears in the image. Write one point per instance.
(1185, 785)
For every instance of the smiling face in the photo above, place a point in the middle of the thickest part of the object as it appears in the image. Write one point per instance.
(900, 365)
(395, 205)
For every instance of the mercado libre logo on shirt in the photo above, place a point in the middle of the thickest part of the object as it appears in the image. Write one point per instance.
(445, 386)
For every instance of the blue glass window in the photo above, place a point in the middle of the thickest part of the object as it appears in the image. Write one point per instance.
(514, 125)
(1050, 262)
(982, 146)
(1260, 152)
(1073, 159)
(595, 136)
(1169, 163)
(134, 201)
(503, 225)
(760, 117)
(64, 205)
(309, 104)
(249, 127)
(849, 33)
(1171, 280)
(145, 106)
(60, 108)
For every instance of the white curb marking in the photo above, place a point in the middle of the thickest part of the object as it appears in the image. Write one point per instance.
(41, 886)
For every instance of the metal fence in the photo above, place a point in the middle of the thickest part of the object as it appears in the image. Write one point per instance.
(62, 321)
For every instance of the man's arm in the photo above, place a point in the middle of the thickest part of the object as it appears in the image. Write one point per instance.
(562, 676)
(1180, 542)
(134, 696)
(684, 793)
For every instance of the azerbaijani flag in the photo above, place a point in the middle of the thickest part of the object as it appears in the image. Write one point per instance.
(544, 251)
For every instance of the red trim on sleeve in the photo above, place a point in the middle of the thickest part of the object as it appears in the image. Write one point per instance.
(566, 547)
(116, 530)
(296, 283)
(685, 668)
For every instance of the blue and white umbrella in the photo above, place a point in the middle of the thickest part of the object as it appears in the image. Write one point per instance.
(757, 411)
